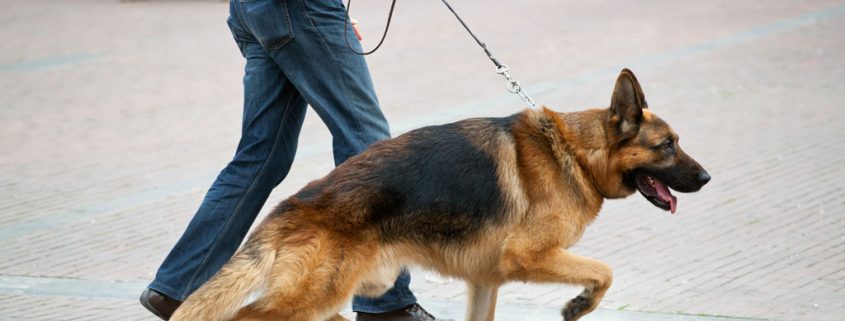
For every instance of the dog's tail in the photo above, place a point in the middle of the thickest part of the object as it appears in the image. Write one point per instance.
(221, 297)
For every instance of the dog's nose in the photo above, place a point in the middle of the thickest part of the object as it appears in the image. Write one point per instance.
(703, 177)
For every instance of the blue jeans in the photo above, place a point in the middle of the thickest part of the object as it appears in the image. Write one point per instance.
(295, 55)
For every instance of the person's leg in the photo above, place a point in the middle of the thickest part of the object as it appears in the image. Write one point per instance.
(336, 83)
(272, 118)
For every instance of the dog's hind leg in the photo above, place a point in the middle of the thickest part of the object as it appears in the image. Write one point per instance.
(315, 274)
(561, 266)
(337, 317)
(481, 302)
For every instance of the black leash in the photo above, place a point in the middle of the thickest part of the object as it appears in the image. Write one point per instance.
(384, 35)
(483, 45)
(513, 86)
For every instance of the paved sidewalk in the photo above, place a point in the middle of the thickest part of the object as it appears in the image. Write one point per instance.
(116, 116)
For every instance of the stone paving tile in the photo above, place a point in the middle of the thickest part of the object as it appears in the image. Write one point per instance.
(32, 308)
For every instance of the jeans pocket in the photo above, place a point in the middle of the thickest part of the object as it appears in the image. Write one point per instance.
(268, 21)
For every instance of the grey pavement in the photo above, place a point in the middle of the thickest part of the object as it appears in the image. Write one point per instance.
(116, 116)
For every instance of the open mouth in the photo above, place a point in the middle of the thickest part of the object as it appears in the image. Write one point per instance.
(656, 192)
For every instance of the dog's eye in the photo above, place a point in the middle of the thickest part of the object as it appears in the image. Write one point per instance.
(669, 146)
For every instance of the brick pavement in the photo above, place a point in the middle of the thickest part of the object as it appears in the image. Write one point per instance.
(116, 116)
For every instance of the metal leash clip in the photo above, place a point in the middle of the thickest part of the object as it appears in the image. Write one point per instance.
(514, 87)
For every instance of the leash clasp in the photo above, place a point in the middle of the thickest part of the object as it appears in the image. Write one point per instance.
(514, 87)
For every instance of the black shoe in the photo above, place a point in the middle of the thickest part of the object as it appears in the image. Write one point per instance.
(159, 304)
(413, 312)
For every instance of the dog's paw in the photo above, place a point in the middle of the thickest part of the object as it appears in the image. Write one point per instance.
(577, 307)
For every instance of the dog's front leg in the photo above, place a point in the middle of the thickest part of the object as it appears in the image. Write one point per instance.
(562, 266)
(482, 302)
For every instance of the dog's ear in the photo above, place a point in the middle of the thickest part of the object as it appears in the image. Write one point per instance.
(626, 105)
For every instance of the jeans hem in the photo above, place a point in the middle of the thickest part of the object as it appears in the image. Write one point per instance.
(166, 290)
(406, 300)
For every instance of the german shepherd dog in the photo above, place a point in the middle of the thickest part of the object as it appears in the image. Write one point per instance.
(486, 200)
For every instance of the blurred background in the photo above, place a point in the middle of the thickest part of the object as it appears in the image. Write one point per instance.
(115, 117)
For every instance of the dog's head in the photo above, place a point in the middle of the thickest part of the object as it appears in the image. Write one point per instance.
(645, 152)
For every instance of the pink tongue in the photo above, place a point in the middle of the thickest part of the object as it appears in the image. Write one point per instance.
(665, 195)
